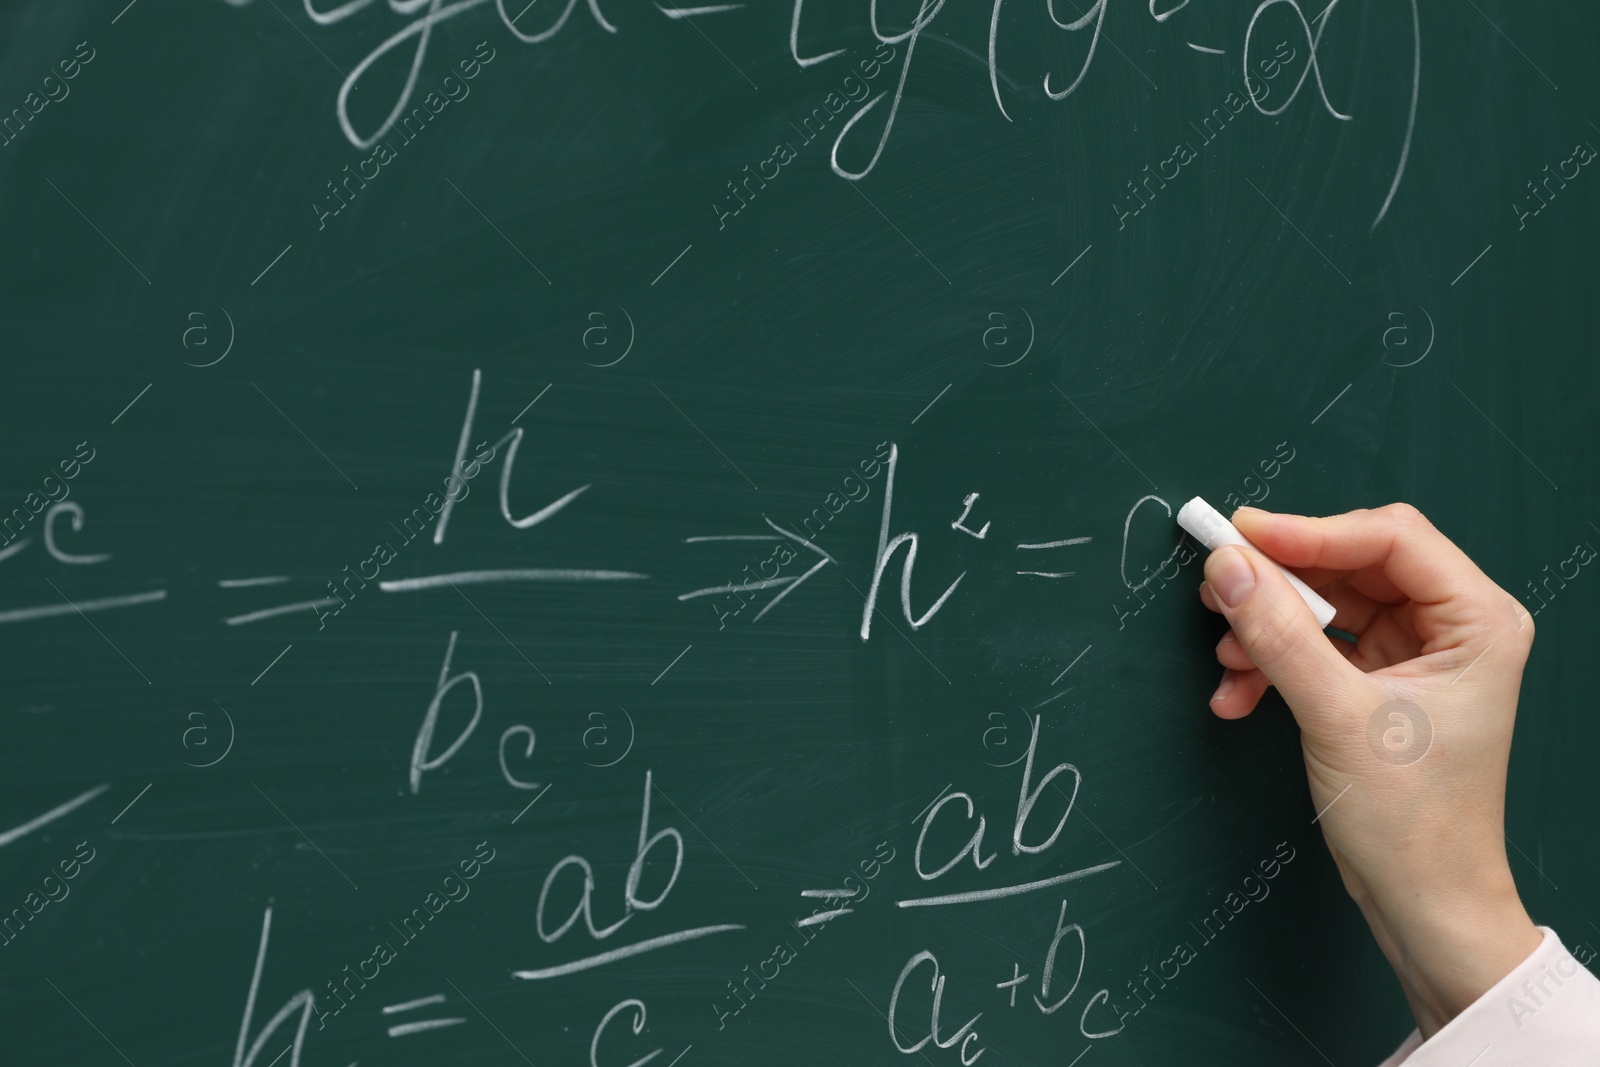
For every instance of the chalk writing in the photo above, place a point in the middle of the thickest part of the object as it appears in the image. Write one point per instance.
(966, 509)
(846, 162)
(1152, 979)
(55, 490)
(341, 193)
(420, 1026)
(1182, 554)
(781, 555)
(513, 441)
(633, 903)
(964, 1035)
(1028, 796)
(745, 987)
(887, 547)
(853, 487)
(852, 90)
(304, 1002)
(422, 762)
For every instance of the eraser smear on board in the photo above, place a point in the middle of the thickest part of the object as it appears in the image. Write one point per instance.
(1212, 529)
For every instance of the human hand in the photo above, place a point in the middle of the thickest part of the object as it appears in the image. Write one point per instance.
(1406, 733)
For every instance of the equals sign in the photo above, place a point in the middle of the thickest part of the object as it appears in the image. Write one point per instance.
(418, 1027)
(826, 894)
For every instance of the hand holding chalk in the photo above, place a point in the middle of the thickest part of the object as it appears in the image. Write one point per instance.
(1406, 734)
(1207, 525)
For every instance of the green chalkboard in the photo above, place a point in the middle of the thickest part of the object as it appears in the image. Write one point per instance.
(542, 536)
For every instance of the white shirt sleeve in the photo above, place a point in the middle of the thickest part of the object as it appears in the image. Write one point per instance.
(1546, 1012)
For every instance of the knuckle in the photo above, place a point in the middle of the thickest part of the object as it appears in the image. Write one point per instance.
(1405, 515)
(1505, 628)
(1519, 621)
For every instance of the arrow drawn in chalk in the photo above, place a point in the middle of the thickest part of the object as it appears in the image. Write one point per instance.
(789, 584)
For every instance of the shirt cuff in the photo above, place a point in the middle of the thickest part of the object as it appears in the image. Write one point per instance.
(1546, 1012)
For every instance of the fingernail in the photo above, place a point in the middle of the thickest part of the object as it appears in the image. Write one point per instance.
(1230, 575)
(1224, 689)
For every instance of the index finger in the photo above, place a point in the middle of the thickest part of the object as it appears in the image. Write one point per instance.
(1396, 540)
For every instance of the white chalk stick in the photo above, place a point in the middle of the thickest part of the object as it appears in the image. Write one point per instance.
(1213, 530)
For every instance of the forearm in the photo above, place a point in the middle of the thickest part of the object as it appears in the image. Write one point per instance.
(1449, 948)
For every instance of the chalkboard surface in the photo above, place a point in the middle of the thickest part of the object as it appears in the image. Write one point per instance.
(622, 532)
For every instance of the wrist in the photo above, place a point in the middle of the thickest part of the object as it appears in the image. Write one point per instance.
(1450, 947)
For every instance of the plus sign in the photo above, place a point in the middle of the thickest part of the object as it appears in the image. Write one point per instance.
(1017, 978)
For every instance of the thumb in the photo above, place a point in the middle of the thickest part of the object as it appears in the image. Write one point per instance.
(1277, 629)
